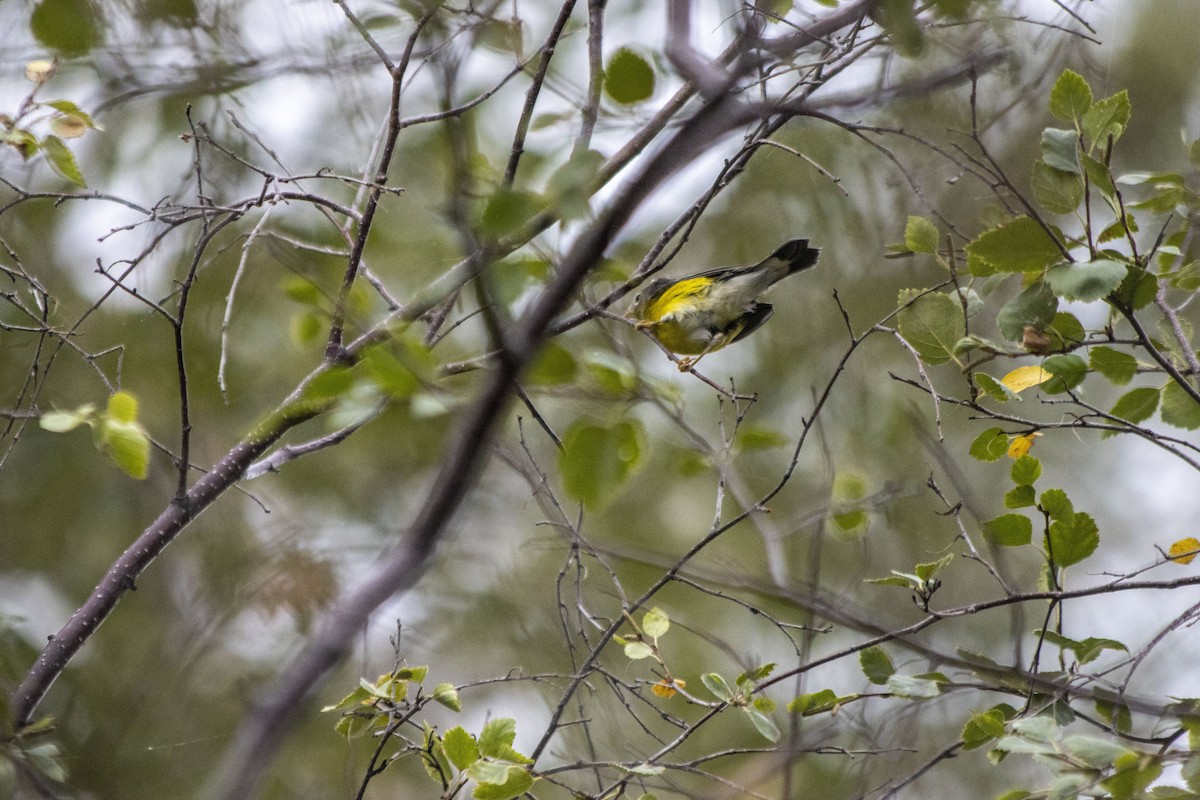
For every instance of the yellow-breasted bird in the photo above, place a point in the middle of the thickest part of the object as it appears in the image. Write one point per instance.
(696, 315)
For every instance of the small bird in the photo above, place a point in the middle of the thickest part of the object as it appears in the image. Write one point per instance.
(696, 315)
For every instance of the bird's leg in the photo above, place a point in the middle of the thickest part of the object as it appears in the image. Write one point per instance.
(715, 343)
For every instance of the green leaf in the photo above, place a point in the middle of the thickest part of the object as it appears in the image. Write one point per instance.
(957, 9)
(353, 726)
(1021, 245)
(1116, 230)
(1136, 405)
(1167, 340)
(816, 703)
(46, 759)
(932, 568)
(1107, 117)
(69, 27)
(355, 698)
(750, 437)
(1098, 174)
(1095, 753)
(1085, 651)
(982, 728)
(498, 781)
(329, 385)
(996, 391)
(991, 445)
(63, 421)
(1071, 96)
(389, 374)
(913, 687)
(1066, 330)
(1057, 505)
(898, 18)
(637, 650)
(970, 298)
(1060, 150)
(507, 209)
(433, 758)
(932, 324)
(595, 461)
(1116, 715)
(1070, 541)
(1067, 786)
(1008, 530)
(1115, 365)
(876, 665)
(22, 140)
(899, 579)
(447, 695)
(1042, 729)
(1164, 200)
(62, 160)
(1036, 307)
(615, 375)
(460, 748)
(495, 741)
(718, 686)
(628, 78)
(306, 328)
(414, 674)
(1087, 282)
(1178, 408)
(847, 515)
(1134, 773)
(1170, 793)
(553, 366)
(512, 277)
(655, 623)
(127, 444)
(763, 724)
(754, 675)
(71, 110)
(921, 235)
(1059, 192)
(301, 290)
(1068, 370)
(1020, 497)
(1191, 772)
(572, 184)
(1026, 470)
(764, 704)
(1187, 277)
(122, 407)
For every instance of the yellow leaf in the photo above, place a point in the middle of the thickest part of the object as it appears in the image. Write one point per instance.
(1020, 445)
(1022, 378)
(667, 687)
(1183, 551)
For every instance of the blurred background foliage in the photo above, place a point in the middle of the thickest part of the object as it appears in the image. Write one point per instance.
(150, 703)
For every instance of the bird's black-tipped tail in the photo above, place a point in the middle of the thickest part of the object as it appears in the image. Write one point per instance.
(797, 254)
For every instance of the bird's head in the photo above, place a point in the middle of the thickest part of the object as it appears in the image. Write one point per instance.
(646, 297)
